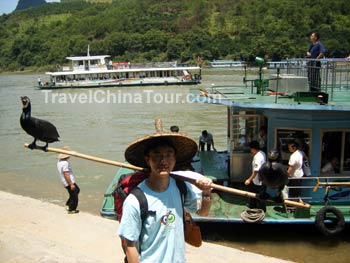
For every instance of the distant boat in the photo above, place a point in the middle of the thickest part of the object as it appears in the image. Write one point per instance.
(227, 64)
(99, 71)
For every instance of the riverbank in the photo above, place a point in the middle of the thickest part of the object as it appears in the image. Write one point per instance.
(36, 231)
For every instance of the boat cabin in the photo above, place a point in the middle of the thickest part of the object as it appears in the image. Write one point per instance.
(318, 121)
(87, 63)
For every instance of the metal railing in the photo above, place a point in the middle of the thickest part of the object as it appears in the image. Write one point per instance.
(326, 75)
(320, 195)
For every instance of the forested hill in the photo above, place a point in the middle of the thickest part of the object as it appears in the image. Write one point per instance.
(24, 4)
(153, 30)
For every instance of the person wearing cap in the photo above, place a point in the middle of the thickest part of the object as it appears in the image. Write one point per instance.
(254, 182)
(68, 181)
(273, 175)
(161, 237)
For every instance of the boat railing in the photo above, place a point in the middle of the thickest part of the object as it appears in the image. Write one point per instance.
(172, 64)
(311, 185)
(332, 74)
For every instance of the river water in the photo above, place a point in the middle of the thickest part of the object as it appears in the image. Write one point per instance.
(102, 123)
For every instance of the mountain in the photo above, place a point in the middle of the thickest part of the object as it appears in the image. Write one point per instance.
(168, 30)
(24, 4)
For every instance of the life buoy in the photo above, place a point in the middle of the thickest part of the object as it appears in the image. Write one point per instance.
(188, 77)
(337, 222)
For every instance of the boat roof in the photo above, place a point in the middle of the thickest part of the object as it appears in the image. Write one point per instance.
(101, 71)
(88, 58)
(242, 97)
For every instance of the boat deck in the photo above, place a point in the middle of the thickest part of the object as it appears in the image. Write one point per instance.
(228, 208)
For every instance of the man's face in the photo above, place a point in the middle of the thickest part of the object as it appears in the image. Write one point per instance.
(313, 38)
(161, 159)
(291, 148)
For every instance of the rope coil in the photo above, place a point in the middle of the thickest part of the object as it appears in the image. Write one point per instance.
(253, 215)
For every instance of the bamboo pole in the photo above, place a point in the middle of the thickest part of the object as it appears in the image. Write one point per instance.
(136, 168)
(91, 158)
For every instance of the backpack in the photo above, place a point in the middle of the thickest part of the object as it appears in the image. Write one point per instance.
(127, 184)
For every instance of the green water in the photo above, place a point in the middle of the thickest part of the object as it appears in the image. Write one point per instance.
(105, 129)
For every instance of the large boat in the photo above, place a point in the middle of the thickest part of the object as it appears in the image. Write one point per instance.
(99, 71)
(288, 111)
(227, 64)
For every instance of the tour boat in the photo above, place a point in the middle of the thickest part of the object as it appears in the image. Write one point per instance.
(99, 71)
(318, 121)
(227, 64)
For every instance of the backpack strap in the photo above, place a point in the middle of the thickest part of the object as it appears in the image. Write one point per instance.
(183, 190)
(141, 198)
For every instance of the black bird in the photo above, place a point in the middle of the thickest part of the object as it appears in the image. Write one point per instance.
(40, 129)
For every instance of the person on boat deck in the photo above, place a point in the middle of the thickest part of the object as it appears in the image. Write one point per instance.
(68, 181)
(295, 169)
(161, 237)
(262, 138)
(254, 182)
(331, 167)
(273, 176)
(206, 138)
(316, 51)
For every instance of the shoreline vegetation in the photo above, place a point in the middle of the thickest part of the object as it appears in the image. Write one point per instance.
(35, 231)
(169, 30)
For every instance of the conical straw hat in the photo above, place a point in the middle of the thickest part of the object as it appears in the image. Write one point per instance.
(185, 147)
(63, 155)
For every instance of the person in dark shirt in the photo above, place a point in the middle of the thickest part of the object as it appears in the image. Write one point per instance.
(316, 51)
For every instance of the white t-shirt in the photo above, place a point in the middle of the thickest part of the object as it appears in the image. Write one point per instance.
(258, 160)
(162, 233)
(296, 162)
(328, 168)
(207, 139)
(64, 166)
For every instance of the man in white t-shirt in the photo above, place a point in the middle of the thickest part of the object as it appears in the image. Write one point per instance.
(206, 138)
(254, 182)
(68, 181)
(295, 169)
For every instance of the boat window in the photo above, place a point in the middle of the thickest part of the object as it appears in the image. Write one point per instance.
(245, 128)
(285, 136)
(335, 156)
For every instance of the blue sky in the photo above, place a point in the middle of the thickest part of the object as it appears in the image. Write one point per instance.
(7, 6)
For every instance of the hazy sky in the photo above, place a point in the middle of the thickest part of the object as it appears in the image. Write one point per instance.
(7, 6)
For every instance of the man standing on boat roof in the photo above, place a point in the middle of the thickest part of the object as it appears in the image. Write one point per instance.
(254, 182)
(161, 237)
(206, 138)
(316, 51)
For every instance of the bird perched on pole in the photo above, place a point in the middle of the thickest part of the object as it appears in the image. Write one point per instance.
(40, 129)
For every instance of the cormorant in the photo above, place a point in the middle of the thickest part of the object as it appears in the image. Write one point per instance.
(40, 129)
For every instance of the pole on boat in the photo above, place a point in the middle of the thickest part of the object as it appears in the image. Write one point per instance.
(181, 177)
(330, 184)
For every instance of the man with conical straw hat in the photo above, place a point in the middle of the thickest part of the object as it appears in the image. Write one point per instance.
(68, 181)
(161, 236)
